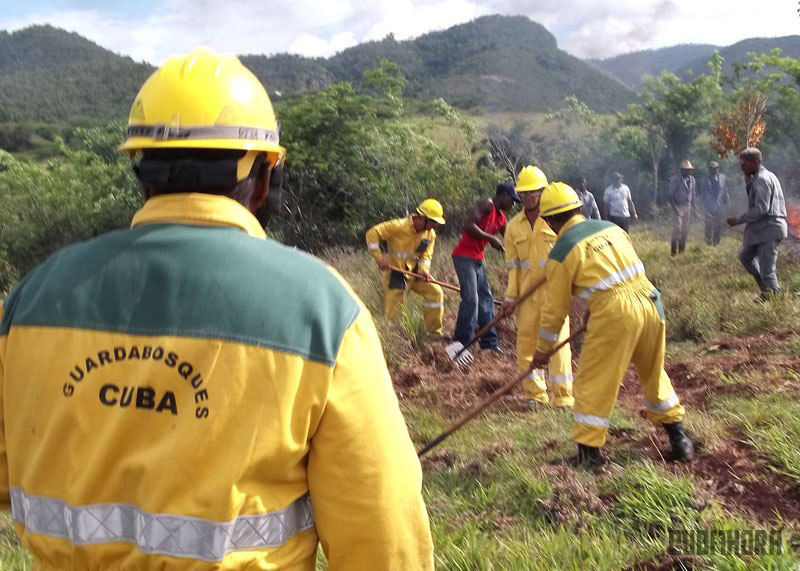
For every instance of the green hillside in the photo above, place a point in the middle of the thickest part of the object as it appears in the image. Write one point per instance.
(631, 67)
(49, 75)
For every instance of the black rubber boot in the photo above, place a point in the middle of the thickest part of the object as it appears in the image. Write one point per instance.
(674, 247)
(682, 448)
(587, 457)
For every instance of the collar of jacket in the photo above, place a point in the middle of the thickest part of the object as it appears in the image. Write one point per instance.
(575, 220)
(196, 209)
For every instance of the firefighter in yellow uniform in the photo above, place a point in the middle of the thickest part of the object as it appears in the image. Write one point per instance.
(528, 241)
(407, 243)
(187, 394)
(595, 260)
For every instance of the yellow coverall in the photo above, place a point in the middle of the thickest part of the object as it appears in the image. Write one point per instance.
(397, 242)
(595, 260)
(526, 253)
(188, 395)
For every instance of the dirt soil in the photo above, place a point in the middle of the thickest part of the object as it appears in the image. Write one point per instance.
(732, 473)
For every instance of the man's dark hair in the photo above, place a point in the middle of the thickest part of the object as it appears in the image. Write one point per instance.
(208, 171)
(562, 217)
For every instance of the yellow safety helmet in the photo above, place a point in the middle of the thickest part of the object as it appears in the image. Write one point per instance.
(530, 178)
(431, 208)
(557, 198)
(204, 101)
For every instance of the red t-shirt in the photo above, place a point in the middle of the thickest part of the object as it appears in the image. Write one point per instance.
(471, 247)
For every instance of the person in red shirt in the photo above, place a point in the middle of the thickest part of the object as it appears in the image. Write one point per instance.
(484, 222)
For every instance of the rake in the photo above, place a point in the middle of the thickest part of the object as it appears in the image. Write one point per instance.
(437, 282)
(481, 406)
(459, 352)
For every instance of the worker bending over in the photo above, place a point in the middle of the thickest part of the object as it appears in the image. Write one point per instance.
(407, 244)
(595, 260)
(528, 242)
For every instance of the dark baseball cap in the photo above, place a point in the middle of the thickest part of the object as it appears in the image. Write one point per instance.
(507, 187)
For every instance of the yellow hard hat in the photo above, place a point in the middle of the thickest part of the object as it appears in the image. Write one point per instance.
(203, 101)
(431, 208)
(557, 198)
(530, 178)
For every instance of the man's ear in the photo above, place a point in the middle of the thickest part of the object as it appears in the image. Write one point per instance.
(261, 190)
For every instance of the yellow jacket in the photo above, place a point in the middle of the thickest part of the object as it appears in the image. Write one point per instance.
(401, 244)
(526, 252)
(187, 395)
(590, 257)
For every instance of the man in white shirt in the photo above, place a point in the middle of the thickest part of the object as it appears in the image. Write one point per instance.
(617, 203)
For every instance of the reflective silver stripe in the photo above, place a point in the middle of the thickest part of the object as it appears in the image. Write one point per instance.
(432, 304)
(168, 133)
(159, 534)
(536, 374)
(614, 279)
(560, 379)
(565, 205)
(524, 265)
(511, 264)
(598, 421)
(402, 255)
(664, 405)
(552, 337)
(424, 262)
(542, 262)
(373, 245)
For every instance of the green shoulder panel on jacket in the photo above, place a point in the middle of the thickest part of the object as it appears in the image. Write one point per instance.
(574, 235)
(204, 282)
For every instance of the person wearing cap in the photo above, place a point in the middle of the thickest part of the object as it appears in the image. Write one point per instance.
(595, 260)
(406, 245)
(484, 222)
(187, 394)
(528, 243)
(682, 187)
(714, 196)
(618, 204)
(764, 223)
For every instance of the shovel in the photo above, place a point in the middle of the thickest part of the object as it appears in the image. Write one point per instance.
(480, 407)
(459, 353)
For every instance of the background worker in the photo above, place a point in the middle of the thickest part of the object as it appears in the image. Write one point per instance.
(618, 204)
(187, 394)
(714, 196)
(528, 243)
(486, 219)
(407, 243)
(682, 188)
(595, 260)
(588, 204)
(764, 223)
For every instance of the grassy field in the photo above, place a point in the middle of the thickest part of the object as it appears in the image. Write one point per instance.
(497, 503)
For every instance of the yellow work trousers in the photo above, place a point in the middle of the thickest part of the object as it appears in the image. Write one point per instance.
(626, 325)
(559, 368)
(432, 304)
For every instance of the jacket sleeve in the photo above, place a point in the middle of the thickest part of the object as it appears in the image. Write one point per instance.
(513, 265)
(761, 202)
(559, 296)
(673, 187)
(594, 212)
(426, 257)
(377, 234)
(5, 499)
(364, 477)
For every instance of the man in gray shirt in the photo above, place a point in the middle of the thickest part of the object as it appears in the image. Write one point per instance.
(714, 196)
(764, 222)
(588, 204)
(682, 189)
(618, 204)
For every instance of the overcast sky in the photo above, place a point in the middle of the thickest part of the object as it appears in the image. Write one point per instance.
(151, 30)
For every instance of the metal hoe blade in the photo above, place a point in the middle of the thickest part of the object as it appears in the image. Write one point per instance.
(459, 355)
